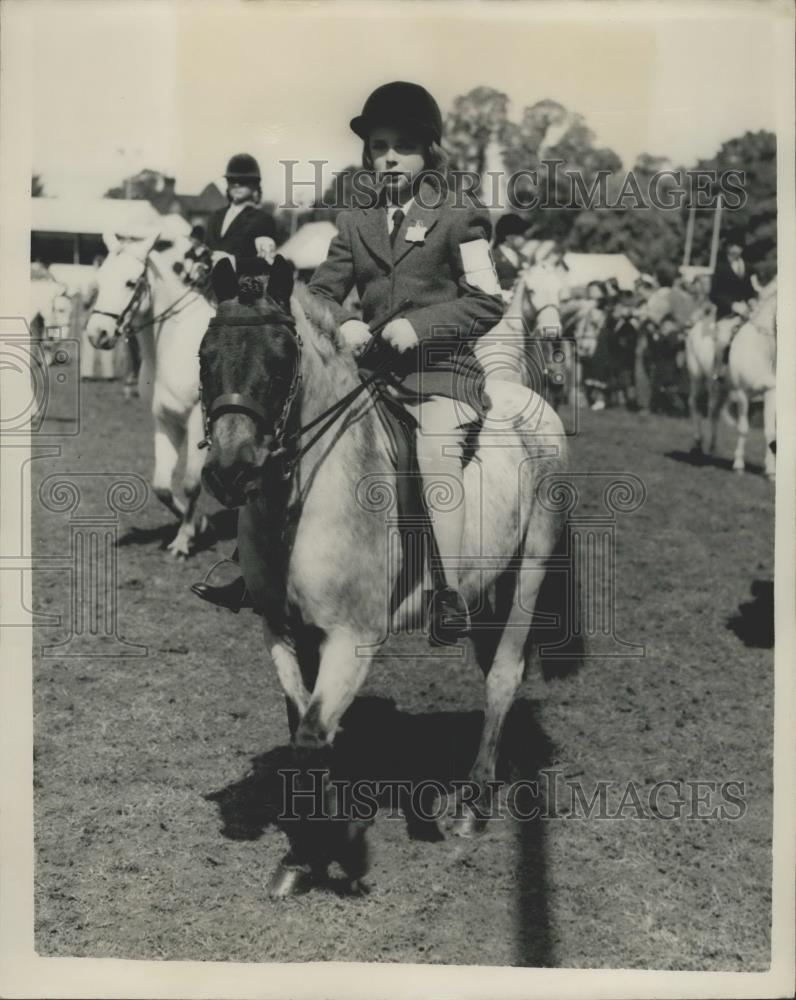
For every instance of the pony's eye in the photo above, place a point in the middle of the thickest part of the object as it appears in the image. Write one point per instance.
(131, 284)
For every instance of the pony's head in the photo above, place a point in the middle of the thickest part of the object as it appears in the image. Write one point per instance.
(121, 288)
(543, 284)
(249, 363)
(122, 279)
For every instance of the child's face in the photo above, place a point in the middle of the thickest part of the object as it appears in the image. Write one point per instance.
(397, 156)
(240, 191)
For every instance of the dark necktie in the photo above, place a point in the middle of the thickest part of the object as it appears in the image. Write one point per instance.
(397, 219)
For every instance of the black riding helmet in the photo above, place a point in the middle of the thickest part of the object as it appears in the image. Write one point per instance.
(403, 105)
(509, 225)
(243, 167)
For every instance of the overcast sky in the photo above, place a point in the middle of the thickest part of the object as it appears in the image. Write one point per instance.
(179, 87)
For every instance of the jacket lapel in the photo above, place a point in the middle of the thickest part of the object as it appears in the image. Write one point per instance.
(372, 228)
(238, 222)
(417, 213)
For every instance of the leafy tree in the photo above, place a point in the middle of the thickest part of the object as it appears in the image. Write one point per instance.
(754, 153)
(560, 148)
(478, 118)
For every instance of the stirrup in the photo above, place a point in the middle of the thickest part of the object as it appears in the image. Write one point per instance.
(215, 566)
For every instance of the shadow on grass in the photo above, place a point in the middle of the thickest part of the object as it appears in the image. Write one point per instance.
(222, 527)
(754, 622)
(701, 460)
(379, 743)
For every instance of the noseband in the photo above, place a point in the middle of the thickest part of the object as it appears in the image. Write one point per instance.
(237, 402)
(123, 318)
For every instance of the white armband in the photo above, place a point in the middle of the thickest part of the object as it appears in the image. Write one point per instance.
(479, 268)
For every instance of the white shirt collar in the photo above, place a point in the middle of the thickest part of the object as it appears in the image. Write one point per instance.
(232, 213)
(392, 209)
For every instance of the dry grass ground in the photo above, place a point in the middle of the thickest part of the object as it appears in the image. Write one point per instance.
(153, 832)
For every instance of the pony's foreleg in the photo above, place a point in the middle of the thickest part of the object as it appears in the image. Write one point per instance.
(695, 385)
(346, 655)
(717, 397)
(739, 459)
(168, 438)
(319, 839)
(770, 430)
(291, 678)
(191, 485)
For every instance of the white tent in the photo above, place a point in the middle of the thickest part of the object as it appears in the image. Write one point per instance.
(586, 267)
(307, 248)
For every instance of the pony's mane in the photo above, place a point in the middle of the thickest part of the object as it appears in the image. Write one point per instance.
(320, 318)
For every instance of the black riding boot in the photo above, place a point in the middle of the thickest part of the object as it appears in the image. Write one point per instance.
(233, 596)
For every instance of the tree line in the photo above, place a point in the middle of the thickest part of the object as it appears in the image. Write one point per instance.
(480, 133)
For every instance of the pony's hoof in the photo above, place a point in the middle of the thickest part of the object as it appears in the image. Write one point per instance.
(357, 888)
(287, 882)
(179, 549)
(468, 825)
(739, 468)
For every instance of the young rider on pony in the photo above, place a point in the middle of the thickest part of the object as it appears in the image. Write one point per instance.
(414, 243)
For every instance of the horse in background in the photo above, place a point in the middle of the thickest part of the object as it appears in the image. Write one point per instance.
(319, 556)
(51, 310)
(521, 346)
(750, 374)
(137, 287)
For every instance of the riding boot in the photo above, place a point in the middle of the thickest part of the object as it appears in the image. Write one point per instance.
(449, 619)
(233, 596)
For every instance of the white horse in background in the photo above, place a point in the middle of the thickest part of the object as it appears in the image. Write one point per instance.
(507, 351)
(50, 310)
(137, 286)
(751, 374)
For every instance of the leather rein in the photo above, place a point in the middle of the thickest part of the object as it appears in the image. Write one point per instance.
(124, 318)
(286, 444)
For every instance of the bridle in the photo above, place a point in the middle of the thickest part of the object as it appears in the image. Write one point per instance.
(286, 444)
(238, 402)
(547, 305)
(123, 319)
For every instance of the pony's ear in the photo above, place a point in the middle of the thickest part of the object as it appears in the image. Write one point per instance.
(280, 282)
(224, 280)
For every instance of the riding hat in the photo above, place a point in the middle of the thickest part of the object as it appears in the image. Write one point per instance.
(735, 237)
(509, 225)
(404, 105)
(242, 167)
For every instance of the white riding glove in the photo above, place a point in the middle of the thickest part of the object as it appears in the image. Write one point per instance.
(356, 335)
(400, 334)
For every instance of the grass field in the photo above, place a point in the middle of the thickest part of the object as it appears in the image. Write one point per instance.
(153, 831)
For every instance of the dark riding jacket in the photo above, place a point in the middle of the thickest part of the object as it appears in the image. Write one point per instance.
(424, 264)
(727, 287)
(238, 240)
